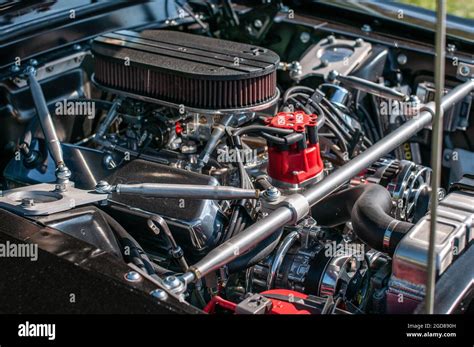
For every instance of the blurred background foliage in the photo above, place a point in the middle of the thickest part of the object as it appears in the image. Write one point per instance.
(460, 8)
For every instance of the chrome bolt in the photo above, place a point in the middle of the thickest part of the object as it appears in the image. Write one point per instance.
(402, 59)
(305, 37)
(271, 194)
(27, 202)
(133, 276)
(464, 70)
(159, 294)
(258, 23)
(332, 75)
(451, 48)
(366, 28)
(15, 68)
(359, 42)
(175, 285)
(441, 194)
(173, 281)
(109, 162)
(30, 70)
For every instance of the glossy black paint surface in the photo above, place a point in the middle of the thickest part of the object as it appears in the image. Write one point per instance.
(58, 29)
(68, 266)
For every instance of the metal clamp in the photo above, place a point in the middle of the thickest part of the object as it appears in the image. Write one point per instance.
(429, 107)
(388, 234)
(298, 205)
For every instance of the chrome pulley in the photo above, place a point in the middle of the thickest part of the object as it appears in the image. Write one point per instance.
(410, 190)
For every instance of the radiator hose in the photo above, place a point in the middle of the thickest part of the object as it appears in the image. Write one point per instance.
(255, 255)
(367, 206)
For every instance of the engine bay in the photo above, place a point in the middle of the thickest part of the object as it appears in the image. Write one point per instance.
(244, 160)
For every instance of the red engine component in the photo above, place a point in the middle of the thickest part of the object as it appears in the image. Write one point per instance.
(217, 301)
(283, 301)
(288, 304)
(299, 162)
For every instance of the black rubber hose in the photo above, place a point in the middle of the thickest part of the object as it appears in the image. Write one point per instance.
(287, 140)
(257, 129)
(233, 219)
(313, 105)
(367, 206)
(298, 104)
(342, 141)
(260, 252)
(260, 128)
(319, 112)
(290, 90)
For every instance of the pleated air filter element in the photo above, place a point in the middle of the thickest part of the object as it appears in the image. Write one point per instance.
(186, 69)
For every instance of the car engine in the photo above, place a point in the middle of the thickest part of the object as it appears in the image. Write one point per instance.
(241, 160)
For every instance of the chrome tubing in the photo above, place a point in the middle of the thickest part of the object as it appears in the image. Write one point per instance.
(239, 244)
(175, 250)
(436, 149)
(280, 254)
(248, 238)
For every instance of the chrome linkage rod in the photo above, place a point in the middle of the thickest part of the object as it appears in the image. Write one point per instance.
(179, 191)
(369, 87)
(50, 135)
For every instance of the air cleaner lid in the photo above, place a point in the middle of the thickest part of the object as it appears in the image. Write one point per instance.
(187, 54)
